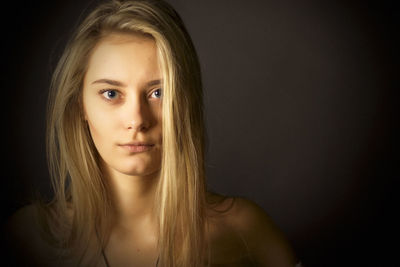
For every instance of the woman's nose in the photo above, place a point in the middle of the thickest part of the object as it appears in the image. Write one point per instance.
(136, 115)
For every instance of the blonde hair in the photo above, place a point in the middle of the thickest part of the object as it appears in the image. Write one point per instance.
(81, 201)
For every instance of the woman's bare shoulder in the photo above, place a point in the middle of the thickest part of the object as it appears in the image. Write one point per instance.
(22, 223)
(266, 244)
(24, 236)
(239, 211)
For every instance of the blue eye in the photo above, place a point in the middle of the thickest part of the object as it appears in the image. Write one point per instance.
(157, 93)
(110, 94)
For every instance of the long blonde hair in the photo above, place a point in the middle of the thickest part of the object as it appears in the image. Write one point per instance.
(81, 204)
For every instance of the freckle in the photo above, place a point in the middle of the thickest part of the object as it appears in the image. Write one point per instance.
(138, 250)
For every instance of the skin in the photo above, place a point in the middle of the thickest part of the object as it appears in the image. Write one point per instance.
(121, 112)
(129, 110)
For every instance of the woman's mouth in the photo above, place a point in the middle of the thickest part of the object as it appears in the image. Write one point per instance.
(138, 147)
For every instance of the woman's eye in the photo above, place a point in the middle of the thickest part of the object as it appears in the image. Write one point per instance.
(110, 94)
(157, 93)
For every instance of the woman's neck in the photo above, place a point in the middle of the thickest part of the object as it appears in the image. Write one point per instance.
(132, 197)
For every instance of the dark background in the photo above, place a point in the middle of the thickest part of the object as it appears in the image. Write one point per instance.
(301, 100)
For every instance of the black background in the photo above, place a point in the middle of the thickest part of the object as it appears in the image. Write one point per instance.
(301, 100)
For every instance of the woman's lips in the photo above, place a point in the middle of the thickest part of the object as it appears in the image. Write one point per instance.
(137, 147)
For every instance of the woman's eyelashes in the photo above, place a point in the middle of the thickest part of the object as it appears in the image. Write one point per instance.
(114, 95)
(156, 93)
(110, 94)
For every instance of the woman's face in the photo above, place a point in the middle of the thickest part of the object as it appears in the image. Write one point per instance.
(122, 104)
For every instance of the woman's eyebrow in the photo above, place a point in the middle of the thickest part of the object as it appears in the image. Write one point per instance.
(110, 82)
(120, 84)
(154, 82)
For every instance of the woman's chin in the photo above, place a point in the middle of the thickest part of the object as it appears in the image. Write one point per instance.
(139, 172)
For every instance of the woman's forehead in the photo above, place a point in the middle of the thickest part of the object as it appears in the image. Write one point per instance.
(124, 57)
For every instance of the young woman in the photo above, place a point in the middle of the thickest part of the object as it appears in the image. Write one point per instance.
(126, 154)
